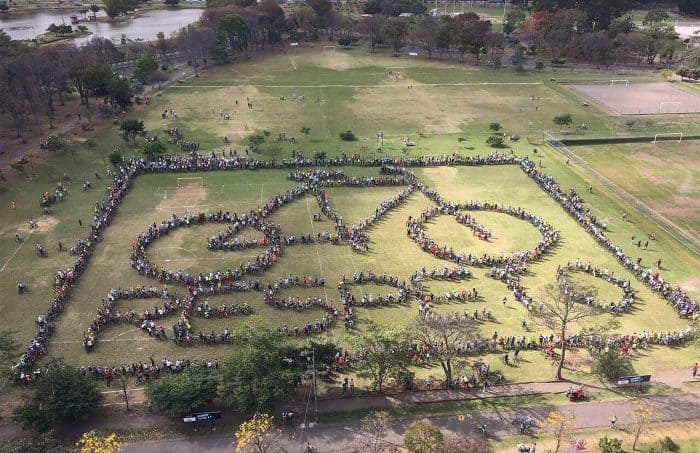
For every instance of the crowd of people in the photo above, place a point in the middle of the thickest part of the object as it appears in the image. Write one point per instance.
(503, 267)
(613, 307)
(49, 198)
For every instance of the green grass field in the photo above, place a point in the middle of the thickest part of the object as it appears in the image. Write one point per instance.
(342, 91)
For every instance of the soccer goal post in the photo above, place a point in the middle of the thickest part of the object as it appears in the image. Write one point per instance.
(330, 49)
(675, 135)
(669, 106)
(197, 181)
(614, 82)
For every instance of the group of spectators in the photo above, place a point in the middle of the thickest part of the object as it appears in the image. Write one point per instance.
(233, 280)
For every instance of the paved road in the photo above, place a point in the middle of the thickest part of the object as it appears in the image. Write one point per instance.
(337, 438)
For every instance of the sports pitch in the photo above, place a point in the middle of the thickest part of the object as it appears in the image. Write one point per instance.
(625, 98)
(340, 92)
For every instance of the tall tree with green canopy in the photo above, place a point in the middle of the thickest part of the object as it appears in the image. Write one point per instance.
(260, 371)
(234, 33)
(181, 393)
(381, 351)
(62, 394)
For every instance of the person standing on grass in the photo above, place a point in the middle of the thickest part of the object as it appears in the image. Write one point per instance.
(352, 388)
(695, 370)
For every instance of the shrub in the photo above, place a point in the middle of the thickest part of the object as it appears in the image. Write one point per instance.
(255, 140)
(494, 141)
(667, 444)
(116, 158)
(495, 127)
(611, 366)
(610, 445)
(423, 437)
(348, 136)
(348, 41)
(559, 60)
(152, 149)
(539, 65)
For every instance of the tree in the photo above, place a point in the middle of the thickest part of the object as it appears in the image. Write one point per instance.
(495, 127)
(196, 44)
(444, 334)
(116, 158)
(87, 75)
(153, 148)
(374, 427)
(560, 425)
(560, 307)
(55, 143)
(114, 8)
(182, 393)
(691, 7)
(658, 38)
(4, 7)
(91, 442)
(514, 18)
(94, 8)
(119, 92)
(426, 33)
(423, 437)
(381, 352)
(171, 2)
(611, 365)
(8, 348)
(234, 33)
(655, 15)
(256, 433)
(255, 140)
(371, 28)
(131, 129)
(62, 394)
(395, 30)
(144, 67)
(467, 444)
(495, 141)
(644, 415)
(260, 372)
(564, 120)
(610, 445)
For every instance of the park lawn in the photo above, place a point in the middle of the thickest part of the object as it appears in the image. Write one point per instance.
(155, 197)
(665, 176)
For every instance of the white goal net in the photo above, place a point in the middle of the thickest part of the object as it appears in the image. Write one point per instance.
(194, 181)
(624, 82)
(329, 49)
(668, 136)
(669, 106)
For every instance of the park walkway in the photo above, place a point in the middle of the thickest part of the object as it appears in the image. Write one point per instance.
(343, 437)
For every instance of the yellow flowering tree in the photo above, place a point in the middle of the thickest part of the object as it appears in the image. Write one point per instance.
(643, 414)
(560, 425)
(255, 433)
(91, 442)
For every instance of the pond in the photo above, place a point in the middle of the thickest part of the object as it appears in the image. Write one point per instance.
(144, 26)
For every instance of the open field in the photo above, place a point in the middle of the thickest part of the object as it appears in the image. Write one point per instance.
(340, 92)
(640, 99)
(665, 176)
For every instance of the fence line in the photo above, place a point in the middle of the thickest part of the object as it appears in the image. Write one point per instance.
(679, 234)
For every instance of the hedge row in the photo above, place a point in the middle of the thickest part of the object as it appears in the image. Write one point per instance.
(618, 140)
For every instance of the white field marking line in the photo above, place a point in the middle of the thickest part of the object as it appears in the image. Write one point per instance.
(139, 340)
(122, 404)
(165, 194)
(318, 254)
(465, 84)
(16, 250)
(292, 61)
(121, 391)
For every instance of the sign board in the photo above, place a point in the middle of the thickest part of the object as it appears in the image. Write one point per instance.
(294, 44)
(630, 380)
(380, 134)
(413, 54)
(202, 416)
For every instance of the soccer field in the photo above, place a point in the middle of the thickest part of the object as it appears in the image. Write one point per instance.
(439, 108)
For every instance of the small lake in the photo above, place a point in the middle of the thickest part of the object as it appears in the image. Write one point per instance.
(144, 26)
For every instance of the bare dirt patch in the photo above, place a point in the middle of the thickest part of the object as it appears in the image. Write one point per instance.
(187, 196)
(640, 98)
(44, 225)
(338, 61)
